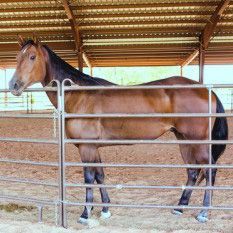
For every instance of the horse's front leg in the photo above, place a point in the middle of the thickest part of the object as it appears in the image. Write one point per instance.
(99, 176)
(88, 154)
(89, 178)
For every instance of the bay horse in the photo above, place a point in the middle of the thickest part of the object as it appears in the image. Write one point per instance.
(38, 63)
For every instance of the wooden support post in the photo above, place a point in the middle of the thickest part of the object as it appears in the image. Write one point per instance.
(181, 71)
(87, 61)
(80, 60)
(201, 63)
(5, 86)
(91, 71)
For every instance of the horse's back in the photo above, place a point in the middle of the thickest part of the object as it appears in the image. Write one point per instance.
(174, 80)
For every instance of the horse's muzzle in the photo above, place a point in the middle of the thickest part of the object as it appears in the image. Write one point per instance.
(16, 87)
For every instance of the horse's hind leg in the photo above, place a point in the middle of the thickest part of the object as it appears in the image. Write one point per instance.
(188, 158)
(203, 215)
(185, 197)
(201, 154)
(99, 176)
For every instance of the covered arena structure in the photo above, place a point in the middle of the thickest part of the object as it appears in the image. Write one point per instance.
(110, 33)
(122, 33)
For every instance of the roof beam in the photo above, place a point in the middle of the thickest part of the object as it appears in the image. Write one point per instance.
(75, 30)
(211, 25)
(190, 58)
(76, 33)
(208, 31)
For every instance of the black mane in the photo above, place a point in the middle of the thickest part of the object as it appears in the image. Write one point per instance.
(63, 70)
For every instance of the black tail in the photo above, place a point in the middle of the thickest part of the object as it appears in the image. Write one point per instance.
(219, 132)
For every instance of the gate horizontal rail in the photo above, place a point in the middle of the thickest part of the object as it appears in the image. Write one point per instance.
(130, 142)
(143, 87)
(26, 181)
(28, 162)
(29, 200)
(123, 186)
(148, 206)
(219, 166)
(33, 89)
(147, 115)
(28, 140)
(28, 115)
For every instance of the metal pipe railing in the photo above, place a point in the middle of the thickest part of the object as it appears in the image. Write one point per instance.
(32, 89)
(28, 162)
(118, 165)
(146, 115)
(171, 187)
(26, 181)
(147, 206)
(28, 200)
(28, 115)
(28, 140)
(62, 202)
(147, 141)
(144, 87)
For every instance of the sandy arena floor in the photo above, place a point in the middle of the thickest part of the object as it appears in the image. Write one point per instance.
(122, 220)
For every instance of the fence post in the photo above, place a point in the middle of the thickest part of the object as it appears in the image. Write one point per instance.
(210, 139)
(60, 108)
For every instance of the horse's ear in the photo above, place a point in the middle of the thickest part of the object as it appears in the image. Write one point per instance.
(35, 39)
(21, 40)
(45, 53)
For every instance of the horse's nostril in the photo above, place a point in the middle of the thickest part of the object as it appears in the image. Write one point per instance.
(16, 86)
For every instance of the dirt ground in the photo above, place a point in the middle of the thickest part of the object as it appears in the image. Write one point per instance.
(122, 220)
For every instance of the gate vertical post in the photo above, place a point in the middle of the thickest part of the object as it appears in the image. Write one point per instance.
(210, 139)
(62, 189)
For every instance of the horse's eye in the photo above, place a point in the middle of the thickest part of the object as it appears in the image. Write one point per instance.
(32, 58)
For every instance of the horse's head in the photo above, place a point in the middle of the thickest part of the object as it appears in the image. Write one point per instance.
(31, 66)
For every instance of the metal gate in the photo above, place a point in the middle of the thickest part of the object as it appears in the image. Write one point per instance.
(62, 202)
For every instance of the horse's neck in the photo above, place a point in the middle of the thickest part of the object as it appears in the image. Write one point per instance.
(52, 95)
(53, 74)
(56, 69)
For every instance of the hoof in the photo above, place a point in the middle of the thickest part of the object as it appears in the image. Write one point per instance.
(201, 218)
(91, 223)
(105, 215)
(177, 212)
(83, 221)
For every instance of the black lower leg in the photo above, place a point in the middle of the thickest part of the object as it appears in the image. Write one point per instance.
(99, 176)
(208, 193)
(89, 178)
(185, 197)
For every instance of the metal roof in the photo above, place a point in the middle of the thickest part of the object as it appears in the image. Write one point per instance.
(118, 32)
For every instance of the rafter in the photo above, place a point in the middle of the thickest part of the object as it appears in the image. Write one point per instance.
(190, 58)
(208, 31)
(76, 33)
